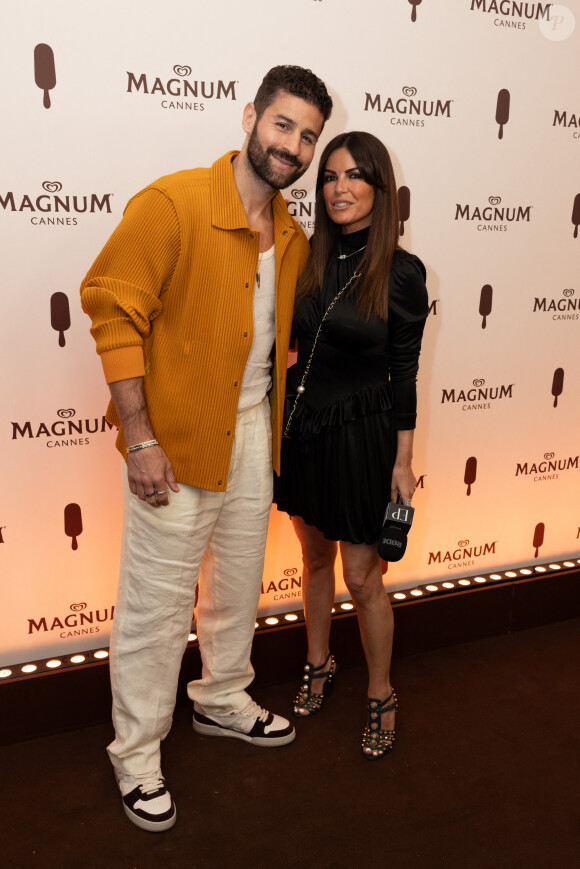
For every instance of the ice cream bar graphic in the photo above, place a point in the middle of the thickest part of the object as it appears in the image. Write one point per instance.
(557, 384)
(73, 523)
(1, 530)
(414, 4)
(576, 214)
(404, 195)
(60, 315)
(502, 112)
(538, 537)
(485, 300)
(470, 473)
(44, 71)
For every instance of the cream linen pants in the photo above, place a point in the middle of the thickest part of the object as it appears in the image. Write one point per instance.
(163, 549)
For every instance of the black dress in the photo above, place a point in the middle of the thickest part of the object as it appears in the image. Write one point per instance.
(337, 462)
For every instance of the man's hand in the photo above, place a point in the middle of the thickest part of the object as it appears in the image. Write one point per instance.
(150, 474)
(149, 470)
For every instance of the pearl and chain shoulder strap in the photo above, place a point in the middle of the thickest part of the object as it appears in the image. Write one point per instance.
(302, 388)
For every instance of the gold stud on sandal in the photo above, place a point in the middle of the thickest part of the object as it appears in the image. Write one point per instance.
(373, 736)
(306, 702)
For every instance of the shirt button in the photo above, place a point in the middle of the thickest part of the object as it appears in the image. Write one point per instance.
(228, 432)
(247, 285)
(285, 232)
(245, 334)
(251, 235)
(235, 382)
(219, 482)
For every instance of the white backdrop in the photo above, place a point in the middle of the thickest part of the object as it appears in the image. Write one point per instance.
(484, 211)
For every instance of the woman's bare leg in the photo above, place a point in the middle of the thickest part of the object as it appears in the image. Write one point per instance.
(318, 557)
(363, 578)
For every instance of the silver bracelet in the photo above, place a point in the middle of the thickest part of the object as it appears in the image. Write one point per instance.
(142, 446)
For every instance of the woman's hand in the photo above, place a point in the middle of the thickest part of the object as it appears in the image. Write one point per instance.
(403, 482)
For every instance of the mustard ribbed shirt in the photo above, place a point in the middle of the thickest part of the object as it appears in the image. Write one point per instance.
(171, 298)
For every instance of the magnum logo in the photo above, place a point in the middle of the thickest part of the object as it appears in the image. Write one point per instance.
(2, 528)
(413, 111)
(404, 197)
(569, 120)
(470, 475)
(478, 397)
(559, 308)
(547, 468)
(463, 555)
(485, 300)
(502, 112)
(73, 523)
(65, 429)
(51, 202)
(181, 87)
(60, 315)
(513, 9)
(494, 216)
(290, 586)
(557, 384)
(300, 208)
(44, 71)
(538, 538)
(414, 4)
(74, 624)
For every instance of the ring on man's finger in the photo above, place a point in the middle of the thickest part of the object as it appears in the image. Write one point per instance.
(150, 494)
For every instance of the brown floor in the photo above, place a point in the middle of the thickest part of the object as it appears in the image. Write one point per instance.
(485, 773)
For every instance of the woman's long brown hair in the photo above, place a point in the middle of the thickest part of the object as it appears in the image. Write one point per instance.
(373, 161)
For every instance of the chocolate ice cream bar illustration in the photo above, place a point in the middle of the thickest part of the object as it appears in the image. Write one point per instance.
(44, 71)
(485, 303)
(557, 384)
(404, 196)
(60, 315)
(502, 112)
(414, 4)
(576, 214)
(538, 537)
(470, 473)
(73, 523)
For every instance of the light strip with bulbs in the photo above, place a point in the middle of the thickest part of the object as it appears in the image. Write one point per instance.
(452, 586)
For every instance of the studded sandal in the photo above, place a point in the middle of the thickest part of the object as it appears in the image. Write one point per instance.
(306, 699)
(373, 736)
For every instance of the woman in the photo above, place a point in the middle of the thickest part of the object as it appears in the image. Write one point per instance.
(361, 306)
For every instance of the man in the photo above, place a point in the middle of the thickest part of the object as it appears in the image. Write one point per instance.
(188, 298)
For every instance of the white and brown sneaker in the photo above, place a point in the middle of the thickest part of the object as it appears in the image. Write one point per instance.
(252, 724)
(146, 801)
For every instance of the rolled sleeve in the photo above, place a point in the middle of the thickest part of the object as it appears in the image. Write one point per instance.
(122, 292)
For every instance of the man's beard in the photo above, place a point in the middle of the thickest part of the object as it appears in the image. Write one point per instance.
(259, 160)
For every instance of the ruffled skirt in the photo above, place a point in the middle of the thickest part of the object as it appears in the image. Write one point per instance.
(337, 476)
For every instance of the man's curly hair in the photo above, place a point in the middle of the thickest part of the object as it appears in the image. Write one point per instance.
(297, 81)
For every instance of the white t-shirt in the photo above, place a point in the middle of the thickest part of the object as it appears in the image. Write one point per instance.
(257, 375)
